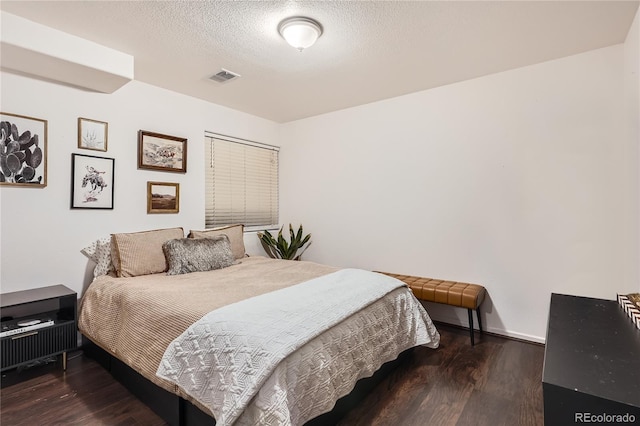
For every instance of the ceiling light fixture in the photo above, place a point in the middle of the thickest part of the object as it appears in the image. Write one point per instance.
(300, 32)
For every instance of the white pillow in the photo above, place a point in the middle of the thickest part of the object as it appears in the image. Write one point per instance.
(99, 252)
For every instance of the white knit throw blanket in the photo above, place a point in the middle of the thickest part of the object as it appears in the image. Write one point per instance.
(223, 359)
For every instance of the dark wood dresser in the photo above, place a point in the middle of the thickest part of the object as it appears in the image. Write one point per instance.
(592, 363)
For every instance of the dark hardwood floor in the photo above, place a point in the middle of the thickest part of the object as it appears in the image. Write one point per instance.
(496, 382)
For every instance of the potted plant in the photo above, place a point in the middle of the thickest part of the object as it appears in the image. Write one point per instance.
(280, 248)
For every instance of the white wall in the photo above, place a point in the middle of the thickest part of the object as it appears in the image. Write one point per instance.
(632, 106)
(525, 181)
(512, 180)
(41, 236)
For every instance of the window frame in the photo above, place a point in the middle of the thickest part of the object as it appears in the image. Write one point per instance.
(209, 141)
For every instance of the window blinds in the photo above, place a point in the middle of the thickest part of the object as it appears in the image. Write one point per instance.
(241, 183)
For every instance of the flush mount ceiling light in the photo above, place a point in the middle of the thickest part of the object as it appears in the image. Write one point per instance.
(300, 32)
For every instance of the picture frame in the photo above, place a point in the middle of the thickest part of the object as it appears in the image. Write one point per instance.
(163, 197)
(92, 182)
(162, 152)
(24, 144)
(92, 134)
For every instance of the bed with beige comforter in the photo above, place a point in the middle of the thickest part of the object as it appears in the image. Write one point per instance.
(142, 320)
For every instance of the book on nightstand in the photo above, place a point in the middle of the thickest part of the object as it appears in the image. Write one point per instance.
(24, 326)
(631, 305)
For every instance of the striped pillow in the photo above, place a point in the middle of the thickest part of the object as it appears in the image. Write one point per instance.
(140, 253)
(234, 232)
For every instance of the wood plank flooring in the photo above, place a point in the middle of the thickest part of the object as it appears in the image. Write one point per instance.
(496, 382)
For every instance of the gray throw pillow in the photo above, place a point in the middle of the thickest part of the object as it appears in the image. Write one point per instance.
(185, 255)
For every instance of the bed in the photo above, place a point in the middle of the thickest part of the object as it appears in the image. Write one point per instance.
(258, 341)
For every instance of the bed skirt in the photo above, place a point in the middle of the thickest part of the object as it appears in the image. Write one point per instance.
(176, 411)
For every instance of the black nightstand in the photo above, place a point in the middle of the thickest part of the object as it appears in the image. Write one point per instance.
(55, 308)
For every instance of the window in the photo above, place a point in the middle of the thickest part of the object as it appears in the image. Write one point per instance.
(241, 183)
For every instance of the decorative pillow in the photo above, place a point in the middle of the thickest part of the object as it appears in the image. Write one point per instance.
(234, 232)
(99, 252)
(187, 255)
(140, 253)
(115, 259)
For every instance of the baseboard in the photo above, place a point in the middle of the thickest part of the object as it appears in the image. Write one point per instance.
(455, 321)
(517, 336)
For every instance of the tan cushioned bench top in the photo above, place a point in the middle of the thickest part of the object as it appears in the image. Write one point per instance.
(454, 293)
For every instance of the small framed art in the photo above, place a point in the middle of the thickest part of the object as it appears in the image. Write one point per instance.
(24, 150)
(92, 181)
(163, 197)
(92, 134)
(162, 152)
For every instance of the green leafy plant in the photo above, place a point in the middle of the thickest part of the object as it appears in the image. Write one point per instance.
(280, 248)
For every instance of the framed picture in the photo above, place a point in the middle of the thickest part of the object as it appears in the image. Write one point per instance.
(163, 197)
(162, 152)
(92, 134)
(23, 145)
(91, 182)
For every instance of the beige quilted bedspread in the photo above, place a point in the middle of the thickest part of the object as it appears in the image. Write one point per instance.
(136, 318)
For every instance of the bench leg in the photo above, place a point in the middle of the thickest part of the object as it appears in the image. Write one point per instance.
(470, 311)
(479, 320)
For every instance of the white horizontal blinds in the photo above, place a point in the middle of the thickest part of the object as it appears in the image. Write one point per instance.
(241, 183)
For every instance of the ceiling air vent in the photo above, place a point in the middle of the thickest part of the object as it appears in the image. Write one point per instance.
(224, 75)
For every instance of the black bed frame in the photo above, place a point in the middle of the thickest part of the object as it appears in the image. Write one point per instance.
(177, 411)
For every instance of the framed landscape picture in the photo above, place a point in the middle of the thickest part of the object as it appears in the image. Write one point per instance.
(163, 197)
(92, 181)
(92, 134)
(162, 152)
(23, 141)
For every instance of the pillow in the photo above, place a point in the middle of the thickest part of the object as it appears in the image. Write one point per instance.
(187, 255)
(115, 259)
(99, 252)
(234, 232)
(140, 253)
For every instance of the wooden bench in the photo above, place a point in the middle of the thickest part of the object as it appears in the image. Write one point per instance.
(463, 295)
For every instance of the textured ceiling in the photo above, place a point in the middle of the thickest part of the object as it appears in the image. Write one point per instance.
(369, 50)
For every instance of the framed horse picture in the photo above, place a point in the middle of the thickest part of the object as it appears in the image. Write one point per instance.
(162, 152)
(92, 181)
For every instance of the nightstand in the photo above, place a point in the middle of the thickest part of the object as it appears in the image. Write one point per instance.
(37, 324)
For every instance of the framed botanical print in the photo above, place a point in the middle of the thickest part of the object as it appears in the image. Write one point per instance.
(92, 134)
(163, 197)
(162, 152)
(23, 142)
(92, 181)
